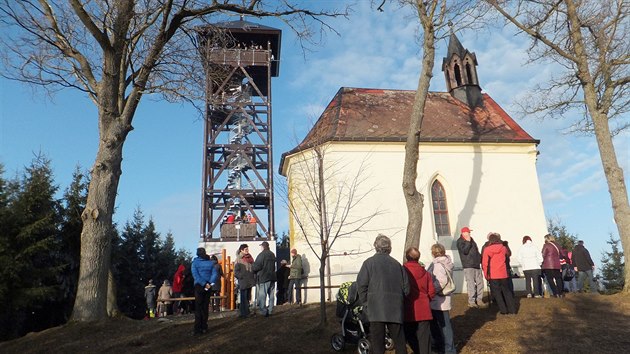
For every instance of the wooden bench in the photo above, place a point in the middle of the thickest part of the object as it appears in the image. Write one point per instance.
(173, 299)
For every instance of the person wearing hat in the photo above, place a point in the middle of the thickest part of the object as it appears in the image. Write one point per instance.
(471, 262)
(245, 275)
(382, 284)
(295, 278)
(265, 269)
(282, 282)
(205, 275)
(149, 295)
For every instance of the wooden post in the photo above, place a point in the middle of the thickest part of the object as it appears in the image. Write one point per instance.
(232, 301)
(223, 278)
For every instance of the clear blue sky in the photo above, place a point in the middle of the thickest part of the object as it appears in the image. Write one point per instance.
(162, 155)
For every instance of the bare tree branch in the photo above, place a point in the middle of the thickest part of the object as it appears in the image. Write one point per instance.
(592, 41)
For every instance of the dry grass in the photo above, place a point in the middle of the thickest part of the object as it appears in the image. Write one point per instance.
(579, 323)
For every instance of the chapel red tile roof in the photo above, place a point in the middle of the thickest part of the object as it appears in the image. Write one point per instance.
(377, 115)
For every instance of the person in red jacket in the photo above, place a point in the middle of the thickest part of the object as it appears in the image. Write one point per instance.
(178, 283)
(495, 269)
(417, 310)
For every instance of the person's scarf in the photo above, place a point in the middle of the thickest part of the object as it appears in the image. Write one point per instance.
(247, 260)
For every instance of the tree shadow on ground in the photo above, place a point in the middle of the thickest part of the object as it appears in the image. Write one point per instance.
(465, 324)
(584, 323)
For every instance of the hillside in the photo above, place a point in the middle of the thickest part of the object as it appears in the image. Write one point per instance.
(577, 323)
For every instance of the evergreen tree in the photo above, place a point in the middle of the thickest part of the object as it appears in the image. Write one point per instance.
(30, 253)
(613, 267)
(183, 256)
(564, 238)
(8, 231)
(74, 199)
(150, 253)
(283, 241)
(129, 267)
(166, 262)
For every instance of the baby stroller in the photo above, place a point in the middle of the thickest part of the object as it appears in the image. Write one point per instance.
(354, 324)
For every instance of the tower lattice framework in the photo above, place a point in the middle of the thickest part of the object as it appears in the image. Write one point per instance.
(240, 58)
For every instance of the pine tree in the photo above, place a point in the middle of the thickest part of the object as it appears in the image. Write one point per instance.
(183, 256)
(150, 250)
(129, 267)
(8, 230)
(140, 254)
(74, 201)
(283, 241)
(564, 238)
(30, 253)
(166, 261)
(613, 267)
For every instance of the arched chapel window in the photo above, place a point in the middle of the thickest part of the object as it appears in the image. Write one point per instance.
(440, 209)
(458, 75)
(469, 74)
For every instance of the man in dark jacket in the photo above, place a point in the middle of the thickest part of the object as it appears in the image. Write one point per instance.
(581, 260)
(282, 282)
(265, 269)
(205, 276)
(471, 262)
(382, 285)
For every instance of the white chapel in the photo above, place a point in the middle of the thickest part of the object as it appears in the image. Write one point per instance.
(477, 168)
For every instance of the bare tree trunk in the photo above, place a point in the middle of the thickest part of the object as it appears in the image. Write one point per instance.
(612, 170)
(413, 198)
(90, 304)
(323, 219)
(91, 300)
(322, 293)
(112, 304)
(616, 185)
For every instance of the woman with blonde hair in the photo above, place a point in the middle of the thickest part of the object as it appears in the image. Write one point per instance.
(551, 253)
(441, 331)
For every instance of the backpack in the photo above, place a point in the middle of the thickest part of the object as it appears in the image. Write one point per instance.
(568, 274)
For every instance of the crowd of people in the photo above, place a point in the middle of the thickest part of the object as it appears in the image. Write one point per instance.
(409, 302)
(273, 286)
(164, 301)
(413, 302)
(239, 219)
(203, 284)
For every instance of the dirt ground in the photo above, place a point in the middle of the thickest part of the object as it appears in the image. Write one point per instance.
(578, 323)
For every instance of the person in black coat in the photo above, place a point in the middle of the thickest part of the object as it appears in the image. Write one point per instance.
(282, 276)
(471, 262)
(264, 268)
(581, 260)
(382, 285)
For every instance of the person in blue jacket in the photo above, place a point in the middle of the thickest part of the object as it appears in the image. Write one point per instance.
(205, 275)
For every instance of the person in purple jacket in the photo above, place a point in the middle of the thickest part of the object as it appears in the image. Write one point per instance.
(551, 253)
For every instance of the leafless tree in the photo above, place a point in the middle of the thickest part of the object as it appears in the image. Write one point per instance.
(435, 17)
(117, 52)
(590, 40)
(327, 202)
